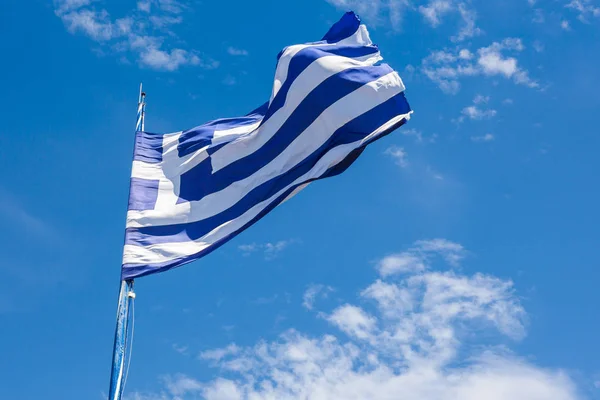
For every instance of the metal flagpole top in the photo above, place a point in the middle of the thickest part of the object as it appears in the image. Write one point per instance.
(141, 114)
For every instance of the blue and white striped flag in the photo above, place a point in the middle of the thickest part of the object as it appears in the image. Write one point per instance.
(194, 190)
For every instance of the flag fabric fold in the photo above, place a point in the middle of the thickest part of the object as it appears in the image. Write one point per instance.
(192, 191)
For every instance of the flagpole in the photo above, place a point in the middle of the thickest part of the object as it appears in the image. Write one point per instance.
(126, 296)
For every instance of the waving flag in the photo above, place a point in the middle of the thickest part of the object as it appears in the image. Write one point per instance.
(192, 191)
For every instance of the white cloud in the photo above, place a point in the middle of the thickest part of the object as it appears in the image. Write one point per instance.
(398, 154)
(585, 9)
(452, 252)
(236, 52)
(180, 384)
(538, 16)
(564, 24)
(488, 137)
(180, 349)
(465, 54)
(469, 28)
(272, 249)
(401, 263)
(418, 257)
(479, 99)
(249, 248)
(163, 21)
(94, 24)
(62, 6)
(144, 5)
(434, 10)
(353, 320)
(473, 112)
(171, 6)
(412, 339)
(168, 61)
(312, 292)
(222, 389)
(447, 67)
(413, 132)
(130, 34)
(218, 354)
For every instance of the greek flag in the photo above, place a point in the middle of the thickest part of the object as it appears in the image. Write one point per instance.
(192, 191)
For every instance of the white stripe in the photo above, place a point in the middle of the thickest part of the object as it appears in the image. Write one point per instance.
(317, 72)
(341, 112)
(171, 165)
(359, 38)
(167, 197)
(238, 130)
(295, 192)
(163, 252)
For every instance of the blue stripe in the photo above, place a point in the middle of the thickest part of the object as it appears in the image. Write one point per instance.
(144, 193)
(148, 147)
(323, 96)
(343, 29)
(130, 271)
(201, 136)
(353, 131)
(303, 59)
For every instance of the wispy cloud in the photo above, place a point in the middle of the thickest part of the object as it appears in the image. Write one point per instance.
(218, 354)
(398, 154)
(131, 34)
(169, 61)
(237, 52)
(388, 12)
(435, 10)
(270, 250)
(469, 28)
(144, 5)
(313, 292)
(446, 67)
(476, 111)
(585, 9)
(538, 16)
(418, 257)
(488, 137)
(479, 99)
(405, 337)
(183, 350)
(473, 112)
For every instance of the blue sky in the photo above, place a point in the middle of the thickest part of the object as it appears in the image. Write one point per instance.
(457, 258)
